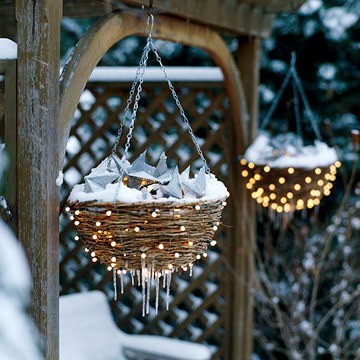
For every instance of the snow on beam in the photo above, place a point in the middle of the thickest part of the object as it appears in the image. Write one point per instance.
(154, 74)
(8, 49)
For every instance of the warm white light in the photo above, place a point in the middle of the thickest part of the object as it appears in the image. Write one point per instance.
(257, 177)
(154, 214)
(98, 223)
(161, 246)
(77, 222)
(108, 213)
(291, 170)
(272, 187)
(251, 165)
(215, 227)
(137, 229)
(297, 187)
(244, 173)
(198, 257)
(267, 168)
(177, 255)
(317, 171)
(338, 164)
(87, 250)
(72, 217)
(113, 259)
(94, 259)
(143, 255)
(308, 179)
(170, 266)
(191, 243)
(76, 238)
(205, 255)
(182, 228)
(282, 180)
(213, 243)
(290, 195)
(113, 243)
(197, 207)
(243, 162)
(67, 209)
(224, 203)
(94, 237)
(93, 254)
(109, 268)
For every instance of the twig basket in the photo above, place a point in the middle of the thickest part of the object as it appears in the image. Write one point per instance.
(283, 174)
(288, 189)
(162, 235)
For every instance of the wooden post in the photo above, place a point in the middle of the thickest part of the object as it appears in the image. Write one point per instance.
(8, 68)
(249, 65)
(242, 328)
(38, 165)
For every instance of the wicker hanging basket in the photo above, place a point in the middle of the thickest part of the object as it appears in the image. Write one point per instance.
(283, 174)
(145, 220)
(290, 188)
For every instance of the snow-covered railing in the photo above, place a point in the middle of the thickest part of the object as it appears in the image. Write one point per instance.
(154, 74)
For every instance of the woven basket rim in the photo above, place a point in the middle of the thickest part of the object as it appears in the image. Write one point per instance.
(290, 166)
(145, 203)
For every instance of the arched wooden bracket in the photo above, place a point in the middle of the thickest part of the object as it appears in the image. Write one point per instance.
(110, 29)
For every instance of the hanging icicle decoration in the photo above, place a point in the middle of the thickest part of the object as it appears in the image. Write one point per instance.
(143, 220)
(282, 174)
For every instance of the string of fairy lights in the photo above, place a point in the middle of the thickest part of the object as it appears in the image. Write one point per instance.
(288, 189)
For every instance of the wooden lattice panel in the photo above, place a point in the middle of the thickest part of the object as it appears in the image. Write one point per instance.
(200, 306)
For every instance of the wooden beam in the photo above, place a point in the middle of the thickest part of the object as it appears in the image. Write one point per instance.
(222, 15)
(38, 163)
(276, 5)
(8, 69)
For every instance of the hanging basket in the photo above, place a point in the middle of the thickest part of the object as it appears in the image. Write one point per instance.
(156, 235)
(148, 221)
(288, 183)
(283, 174)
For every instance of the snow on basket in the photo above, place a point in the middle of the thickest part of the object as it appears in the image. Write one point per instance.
(283, 174)
(148, 221)
(284, 177)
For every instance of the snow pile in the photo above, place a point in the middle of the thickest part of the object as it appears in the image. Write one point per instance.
(8, 49)
(283, 151)
(118, 180)
(337, 20)
(18, 339)
(97, 337)
(60, 179)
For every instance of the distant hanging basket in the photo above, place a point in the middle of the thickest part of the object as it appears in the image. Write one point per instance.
(148, 221)
(285, 184)
(281, 173)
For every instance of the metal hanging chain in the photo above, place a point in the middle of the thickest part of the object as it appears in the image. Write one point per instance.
(307, 105)
(181, 109)
(297, 114)
(150, 46)
(297, 89)
(138, 75)
(278, 97)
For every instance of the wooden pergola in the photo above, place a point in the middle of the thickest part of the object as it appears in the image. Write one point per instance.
(46, 104)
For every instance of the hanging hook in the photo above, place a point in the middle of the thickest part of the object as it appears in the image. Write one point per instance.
(150, 22)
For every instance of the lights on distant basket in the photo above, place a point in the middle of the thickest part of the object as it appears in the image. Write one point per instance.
(288, 189)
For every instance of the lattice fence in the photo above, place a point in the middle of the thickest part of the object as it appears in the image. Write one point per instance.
(200, 307)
